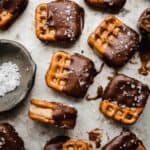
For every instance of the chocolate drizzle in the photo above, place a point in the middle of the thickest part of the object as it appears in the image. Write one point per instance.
(9, 139)
(125, 141)
(99, 94)
(67, 18)
(126, 91)
(80, 76)
(56, 143)
(65, 116)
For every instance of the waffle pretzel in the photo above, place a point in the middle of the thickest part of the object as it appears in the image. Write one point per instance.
(43, 32)
(126, 115)
(104, 33)
(51, 26)
(114, 41)
(75, 145)
(53, 113)
(55, 76)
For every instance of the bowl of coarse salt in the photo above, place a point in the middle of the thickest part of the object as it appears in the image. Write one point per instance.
(17, 72)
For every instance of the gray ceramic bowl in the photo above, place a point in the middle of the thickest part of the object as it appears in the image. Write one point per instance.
(18, 54)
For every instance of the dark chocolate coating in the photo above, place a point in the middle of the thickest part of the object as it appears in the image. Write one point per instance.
(67, 18)
(145, 57)
(64, 116)
(15, 7)
(122, 47)
(9, 139)
(109, 5)
(126, 91)
(80, 76)
(125, 141)
(56, 143)
(144, 23)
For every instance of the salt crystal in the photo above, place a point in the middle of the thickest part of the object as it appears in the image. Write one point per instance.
(9, 77)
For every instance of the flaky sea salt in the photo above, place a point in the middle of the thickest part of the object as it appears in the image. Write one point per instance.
(9, 77)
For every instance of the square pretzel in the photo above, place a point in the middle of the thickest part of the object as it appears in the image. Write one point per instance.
(114, 41)
(53, 23)
(75, 145)
(53, 113)
(124, 99)
(9, 10)
(64, 76)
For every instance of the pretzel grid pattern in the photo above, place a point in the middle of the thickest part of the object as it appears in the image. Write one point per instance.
(105, 32)
(126, 115)
(75, 145)
(43, 31)
(5, 17)
(55, 76)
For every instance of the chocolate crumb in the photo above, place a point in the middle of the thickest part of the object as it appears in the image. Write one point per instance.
(82, 51)
(96, 136)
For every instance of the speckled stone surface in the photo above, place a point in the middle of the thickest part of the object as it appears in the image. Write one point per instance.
(36, 134)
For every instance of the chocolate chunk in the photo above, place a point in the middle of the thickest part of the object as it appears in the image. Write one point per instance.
(125, 141)
(80, 76)
(126, 91)
(67, 18)
(56, 143)
(9, 139)
(144, 23)
(109, 5)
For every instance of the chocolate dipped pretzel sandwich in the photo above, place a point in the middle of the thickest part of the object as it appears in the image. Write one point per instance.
(144, 23)
(53, 113)
(114, 41)
(10, 10)
(125, 141)
(71, 74)
(9, 138)
(124, 99)
(107, 5)
(59, 21)
(66, 143)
